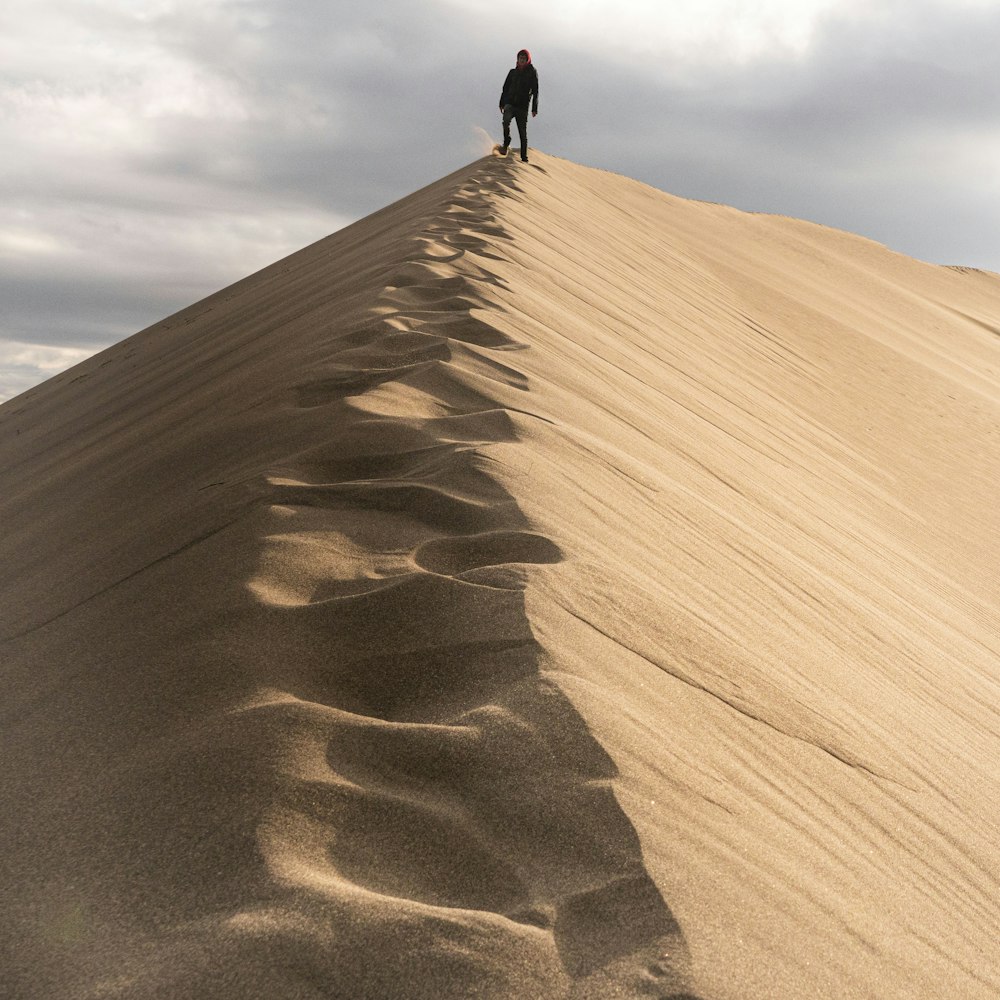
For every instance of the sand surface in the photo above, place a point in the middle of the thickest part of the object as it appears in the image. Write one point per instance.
(545, 587)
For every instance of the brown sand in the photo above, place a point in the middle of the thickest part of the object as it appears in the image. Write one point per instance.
(545, 587)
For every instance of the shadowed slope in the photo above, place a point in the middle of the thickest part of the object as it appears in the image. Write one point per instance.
(273, 707)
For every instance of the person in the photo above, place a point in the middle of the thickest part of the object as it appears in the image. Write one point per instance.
(519, 90)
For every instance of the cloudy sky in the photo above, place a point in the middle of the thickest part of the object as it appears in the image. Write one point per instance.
(154, 151)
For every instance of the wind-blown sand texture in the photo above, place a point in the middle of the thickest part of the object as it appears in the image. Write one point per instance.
(544, 587)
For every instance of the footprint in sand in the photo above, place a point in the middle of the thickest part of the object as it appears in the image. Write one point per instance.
(453, 556)
(343, 383)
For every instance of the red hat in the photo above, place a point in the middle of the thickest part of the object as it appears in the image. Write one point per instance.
(525, 53)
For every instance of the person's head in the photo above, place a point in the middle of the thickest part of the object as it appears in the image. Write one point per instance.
(523, 58)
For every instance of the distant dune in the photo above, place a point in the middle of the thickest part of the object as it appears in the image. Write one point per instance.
(545, 587)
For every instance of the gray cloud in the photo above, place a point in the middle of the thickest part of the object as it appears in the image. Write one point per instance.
(155, 158)
(870, 131)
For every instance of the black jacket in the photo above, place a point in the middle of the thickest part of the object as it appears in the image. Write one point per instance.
(520, 87)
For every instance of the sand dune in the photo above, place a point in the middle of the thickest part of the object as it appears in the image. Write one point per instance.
(544, 587)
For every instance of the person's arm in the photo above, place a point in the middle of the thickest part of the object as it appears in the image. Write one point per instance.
(506, 80)
(534, 100)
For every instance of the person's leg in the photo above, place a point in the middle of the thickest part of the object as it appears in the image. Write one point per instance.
(508, 113)
(522, 129)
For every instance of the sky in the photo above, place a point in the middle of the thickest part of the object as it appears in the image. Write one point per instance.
(155, 151)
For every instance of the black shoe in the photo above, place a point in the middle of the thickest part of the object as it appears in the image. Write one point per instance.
(504, 148)
(524, 159)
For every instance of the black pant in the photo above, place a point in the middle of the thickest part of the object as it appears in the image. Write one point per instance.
(520, 115)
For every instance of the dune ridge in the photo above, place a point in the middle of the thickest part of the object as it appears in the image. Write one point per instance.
(543, 587)
(471, 782)
(395, 697)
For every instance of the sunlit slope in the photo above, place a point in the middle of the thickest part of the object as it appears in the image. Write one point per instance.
(774, 452)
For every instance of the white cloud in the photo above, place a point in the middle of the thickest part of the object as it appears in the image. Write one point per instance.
(23, 243)
(25, 365)
(706, 31)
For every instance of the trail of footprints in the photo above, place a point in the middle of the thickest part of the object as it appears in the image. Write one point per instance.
(436, 767)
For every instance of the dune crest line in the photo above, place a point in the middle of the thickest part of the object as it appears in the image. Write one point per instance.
(435, 770)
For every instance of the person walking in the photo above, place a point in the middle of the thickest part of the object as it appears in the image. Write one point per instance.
(519, 90)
